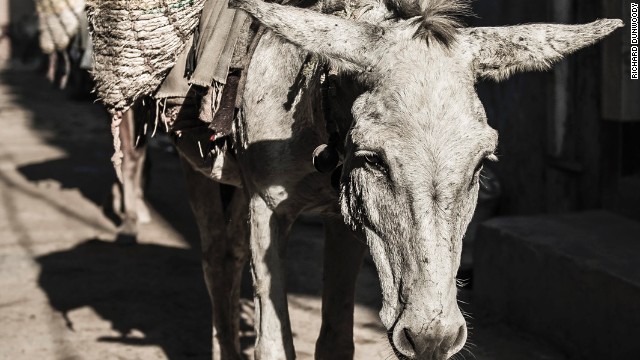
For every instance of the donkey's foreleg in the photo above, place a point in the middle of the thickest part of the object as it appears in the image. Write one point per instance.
(131, 159)
(224, 257)
(52, 66)
(343, 256)
(134, 208)
(234, 260)
(139, 182)
(268, 237)
(66, 62)
(224, 252)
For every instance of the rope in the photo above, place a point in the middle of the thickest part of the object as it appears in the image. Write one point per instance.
(118, 155)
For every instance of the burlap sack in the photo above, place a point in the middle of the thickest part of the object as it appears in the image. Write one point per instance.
(135, 44)
(59, 22)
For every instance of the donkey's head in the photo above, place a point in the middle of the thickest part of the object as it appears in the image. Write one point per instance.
(418, 142)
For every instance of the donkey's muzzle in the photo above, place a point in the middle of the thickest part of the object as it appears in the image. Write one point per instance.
(413, 338)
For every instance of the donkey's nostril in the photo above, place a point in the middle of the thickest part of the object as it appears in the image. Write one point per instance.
(407, 334)
(458, 343)
(403, 343)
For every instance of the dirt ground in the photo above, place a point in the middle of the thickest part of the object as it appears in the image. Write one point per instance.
(69, 292)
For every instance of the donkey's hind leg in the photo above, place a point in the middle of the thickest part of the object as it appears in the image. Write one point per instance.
(224, 253)
(343, 256)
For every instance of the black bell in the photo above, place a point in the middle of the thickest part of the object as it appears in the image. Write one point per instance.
(325, 158)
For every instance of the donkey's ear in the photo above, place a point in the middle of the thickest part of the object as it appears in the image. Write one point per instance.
(350, 45)
(499, 52)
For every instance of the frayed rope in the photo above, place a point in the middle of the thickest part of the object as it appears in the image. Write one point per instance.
(118, 155)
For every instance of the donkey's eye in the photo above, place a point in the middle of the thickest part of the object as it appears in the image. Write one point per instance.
(476, 177)
(371, 160)
(479, 167)
(476, 173)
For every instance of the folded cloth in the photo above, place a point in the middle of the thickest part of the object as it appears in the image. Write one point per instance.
(219, 31)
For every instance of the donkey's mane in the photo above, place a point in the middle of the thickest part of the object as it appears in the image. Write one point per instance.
(438, 20)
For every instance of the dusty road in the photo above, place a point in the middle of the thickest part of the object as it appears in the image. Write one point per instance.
(68, 292)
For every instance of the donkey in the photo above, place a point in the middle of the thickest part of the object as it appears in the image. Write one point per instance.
(411, 154)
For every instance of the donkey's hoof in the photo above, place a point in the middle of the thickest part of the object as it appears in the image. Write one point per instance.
(144, 215)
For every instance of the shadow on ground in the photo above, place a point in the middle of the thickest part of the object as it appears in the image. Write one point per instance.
(154, 289)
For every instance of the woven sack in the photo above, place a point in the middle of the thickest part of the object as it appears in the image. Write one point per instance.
(135, 44)
(58, 22)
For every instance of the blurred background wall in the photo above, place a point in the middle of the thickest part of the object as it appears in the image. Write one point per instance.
(569, 138)
(14, 16)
